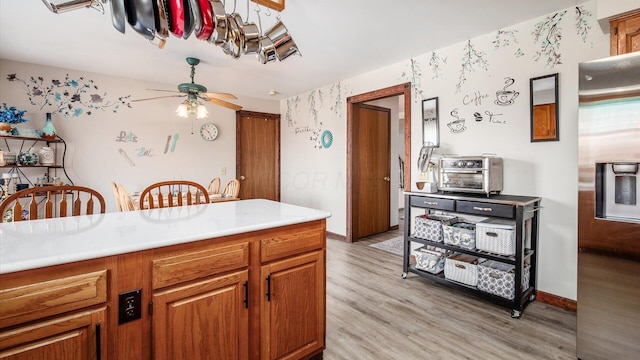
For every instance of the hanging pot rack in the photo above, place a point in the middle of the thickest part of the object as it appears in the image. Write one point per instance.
(207, 20)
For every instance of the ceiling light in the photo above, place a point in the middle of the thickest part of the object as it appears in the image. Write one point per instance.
(192, 107)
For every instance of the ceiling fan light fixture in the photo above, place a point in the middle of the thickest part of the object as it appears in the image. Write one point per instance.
(201, 112)
(183, 109)
(192, 107)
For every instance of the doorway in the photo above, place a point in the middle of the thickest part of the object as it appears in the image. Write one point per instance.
(353, 104)
(258, 155)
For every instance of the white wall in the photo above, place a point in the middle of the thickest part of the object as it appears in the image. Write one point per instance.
(544, 169)
(93, 158)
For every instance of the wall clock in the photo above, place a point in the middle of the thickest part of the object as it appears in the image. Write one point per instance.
(209, 131)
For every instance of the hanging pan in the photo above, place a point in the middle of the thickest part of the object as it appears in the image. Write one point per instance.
(206, 25)
(177, 17)
(141, 17)
(219, 17)
(62, 6)
(118, 15)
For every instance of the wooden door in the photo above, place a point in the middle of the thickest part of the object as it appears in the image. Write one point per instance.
(293, 307)
(207, 319)
(371, 169)
(625, 33)
(73, 337)
(258, 155)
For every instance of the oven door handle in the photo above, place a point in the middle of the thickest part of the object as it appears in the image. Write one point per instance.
(461, 171)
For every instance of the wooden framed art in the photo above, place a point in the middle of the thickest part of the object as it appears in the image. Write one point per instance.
(277, 5)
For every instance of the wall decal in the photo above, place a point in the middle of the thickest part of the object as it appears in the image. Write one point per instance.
(504, 38)
(548, 34)
(456, 126)
(471, 60)
(175, 141)
(492, 118)
(477, 116)
(166, 147)
(475, 99)
(337, 104)
(518, 53)
(292, 105)
(143, 151)
(416, 74)
(434, 62)
(505, 96)
(69, 97)
(126, 137)
(313, 110)
(582, 22)
(124, 155)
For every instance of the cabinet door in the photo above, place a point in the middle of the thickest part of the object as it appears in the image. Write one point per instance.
(625, 34)
(207, 319)
(293, 307)
(78, 336)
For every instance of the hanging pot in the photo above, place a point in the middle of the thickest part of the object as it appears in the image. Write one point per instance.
(118, 15)
(231, 45)
(64, 6)
(141, 17)
(206, 25)
(267, 52)
(192, 19)
(282, 40)
(177, 17)
(219, 33)
(251, 39)
(162, 19)
(240, 23)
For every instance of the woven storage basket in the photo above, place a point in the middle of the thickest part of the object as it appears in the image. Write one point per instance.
(429, 227)
(461, 234)
(462, 268)
(496, 236)
(430, 260)
(498, 278)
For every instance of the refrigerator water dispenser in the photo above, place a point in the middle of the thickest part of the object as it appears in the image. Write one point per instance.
(616, 191)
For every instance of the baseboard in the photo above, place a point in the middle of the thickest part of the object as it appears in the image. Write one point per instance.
(336, 236)
(557, 301)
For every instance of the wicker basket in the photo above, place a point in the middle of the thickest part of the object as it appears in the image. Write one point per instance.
(462, 268)
(498, 278)
(429, 227)
(431, 260)
(462, 234)
(496, 236)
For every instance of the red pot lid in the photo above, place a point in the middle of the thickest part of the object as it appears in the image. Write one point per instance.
(177, 17)
(207, 20)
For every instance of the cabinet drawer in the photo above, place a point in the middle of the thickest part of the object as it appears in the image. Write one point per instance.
(290, 244)
(56, 296)
(186, 266)
(486, 209)
(433, 203)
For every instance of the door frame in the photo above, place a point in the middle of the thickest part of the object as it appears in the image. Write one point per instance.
(276, 118)
(397, 90)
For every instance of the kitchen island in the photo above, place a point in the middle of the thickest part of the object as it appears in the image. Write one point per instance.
(233, 280)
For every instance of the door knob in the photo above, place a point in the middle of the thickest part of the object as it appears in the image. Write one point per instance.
(386, 178)
(241, 177)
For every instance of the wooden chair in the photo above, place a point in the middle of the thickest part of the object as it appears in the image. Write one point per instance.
(173, 193)
(231, 189)
(55, 201)
(214, 186)
(116, 195)
(126, 202)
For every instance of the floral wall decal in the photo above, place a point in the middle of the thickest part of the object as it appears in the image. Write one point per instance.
(415, 75)
(582, 22)
(292, 105)
(69, 97)
(336, 89)
(435, 63)
(471, 60)
(504, 38)
(547, 34)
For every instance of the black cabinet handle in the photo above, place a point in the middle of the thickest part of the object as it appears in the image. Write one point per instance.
(268, 288)
(98, 344)
(246, 294)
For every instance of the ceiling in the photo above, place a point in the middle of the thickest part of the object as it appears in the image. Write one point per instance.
(338, 39)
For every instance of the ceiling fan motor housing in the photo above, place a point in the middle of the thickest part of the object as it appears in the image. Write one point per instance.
(191, 87)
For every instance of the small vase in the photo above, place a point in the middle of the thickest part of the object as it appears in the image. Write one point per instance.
(48, 131)
(46, 155)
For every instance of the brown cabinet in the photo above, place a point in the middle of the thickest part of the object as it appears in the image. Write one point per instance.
(207, 319)
(203, 299)
(293, 307)
(57, 314)
(625, 33)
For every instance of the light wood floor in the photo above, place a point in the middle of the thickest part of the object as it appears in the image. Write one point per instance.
(372, 313)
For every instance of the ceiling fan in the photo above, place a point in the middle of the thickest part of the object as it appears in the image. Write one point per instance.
(194, 91)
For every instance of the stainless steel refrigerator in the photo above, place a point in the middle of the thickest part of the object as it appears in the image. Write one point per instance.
(609, 209)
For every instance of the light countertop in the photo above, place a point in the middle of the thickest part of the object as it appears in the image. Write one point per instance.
(32, 244)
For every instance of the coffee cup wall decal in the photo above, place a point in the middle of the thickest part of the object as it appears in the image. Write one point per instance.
(457, 125)
(505, 96)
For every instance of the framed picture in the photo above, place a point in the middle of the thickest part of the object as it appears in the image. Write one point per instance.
(277, 5)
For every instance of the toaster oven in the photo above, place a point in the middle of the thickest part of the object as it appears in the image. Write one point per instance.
(474, 174)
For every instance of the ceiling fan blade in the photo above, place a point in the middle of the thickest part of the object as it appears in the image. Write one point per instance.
(163, 90)
(158, 97)
(225, 104)
(220, 96)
